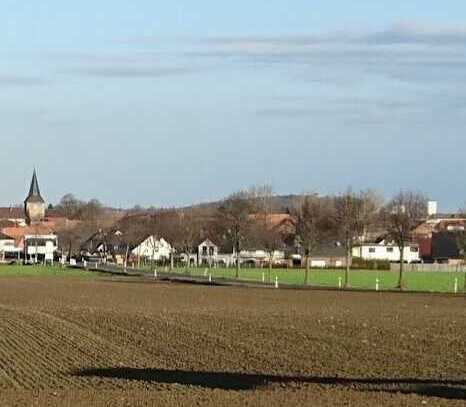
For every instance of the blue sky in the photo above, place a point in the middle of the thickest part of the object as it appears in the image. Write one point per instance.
(159, 103)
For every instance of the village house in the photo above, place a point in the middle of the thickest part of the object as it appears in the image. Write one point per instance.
(328, 255)
(383, 250)
(115, 246)
(40, 248)
(207, 253)
(152, 249)
(8, 251)
(438, 238)
(105, 246)
(260, 257)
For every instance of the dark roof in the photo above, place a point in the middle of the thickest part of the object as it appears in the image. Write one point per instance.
(34, 191)
(330, 249)
(326, 249)
(201, 241)
(115, 243)
(5, 237)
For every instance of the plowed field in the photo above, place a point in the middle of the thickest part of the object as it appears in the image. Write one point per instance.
(126, 343)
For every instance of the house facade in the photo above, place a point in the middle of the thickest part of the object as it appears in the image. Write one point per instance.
(439, 238)
(387, 252)
(327, 255)
(40, 248)
(8, 250)
(152, 249)
(207, 253)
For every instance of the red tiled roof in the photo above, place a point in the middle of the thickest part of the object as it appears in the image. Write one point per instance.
(15, 232)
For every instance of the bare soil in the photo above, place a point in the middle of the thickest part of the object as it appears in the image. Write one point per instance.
(67, 342)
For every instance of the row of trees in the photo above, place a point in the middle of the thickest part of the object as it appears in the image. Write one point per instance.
(73, 208)
(244, 220)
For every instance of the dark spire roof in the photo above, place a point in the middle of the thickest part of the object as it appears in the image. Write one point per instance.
(34, 191)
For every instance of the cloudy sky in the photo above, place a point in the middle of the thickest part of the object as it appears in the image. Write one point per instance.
(167, 103)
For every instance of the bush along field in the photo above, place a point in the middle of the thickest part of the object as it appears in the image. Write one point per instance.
(441, 282)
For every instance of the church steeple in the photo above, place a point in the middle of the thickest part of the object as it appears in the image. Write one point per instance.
(34, 205)
(34, 191)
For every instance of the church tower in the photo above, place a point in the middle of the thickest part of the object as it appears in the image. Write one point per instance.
(34, 205)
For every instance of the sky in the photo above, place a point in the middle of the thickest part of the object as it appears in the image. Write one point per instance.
(159, 103)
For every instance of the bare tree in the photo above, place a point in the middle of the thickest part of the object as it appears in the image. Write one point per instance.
(266, 235)
(169, 226)
(313, 224)
(234, 216)
(72, 208)
(186, 231)
(272, 241)
(401, 215)
(354, 213)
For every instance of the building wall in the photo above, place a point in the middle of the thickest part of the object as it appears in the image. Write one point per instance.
(7, 245)
(40, 246)
(387, 253)
(153, 249)
(35, 212)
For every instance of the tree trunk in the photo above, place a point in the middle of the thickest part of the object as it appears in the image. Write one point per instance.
(270, 267)
(237, 245)
(308, 266)
(402, 258)
(188, 264)
(348, 266)
(126, 257)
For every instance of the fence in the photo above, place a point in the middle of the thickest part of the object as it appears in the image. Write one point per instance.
(447, 268)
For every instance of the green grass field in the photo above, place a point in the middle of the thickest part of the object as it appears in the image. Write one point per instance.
(413, 281)
(441, 282)
(43, 271)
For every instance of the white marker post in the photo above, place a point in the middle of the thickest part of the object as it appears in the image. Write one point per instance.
(210, 278)
(377, 284)
(340, 282)
(263, 277)
(276, 281)
(456, 285)
(155, 274)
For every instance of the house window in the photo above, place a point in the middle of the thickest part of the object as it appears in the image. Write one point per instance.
(390, 249)
(414, 249)
(371, 249)
(204, 251)
(211, 251)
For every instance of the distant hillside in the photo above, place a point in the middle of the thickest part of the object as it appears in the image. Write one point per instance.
(280, 203)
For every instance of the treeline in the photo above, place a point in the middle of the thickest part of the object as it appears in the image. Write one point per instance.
(247, 220)
(73, 208)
